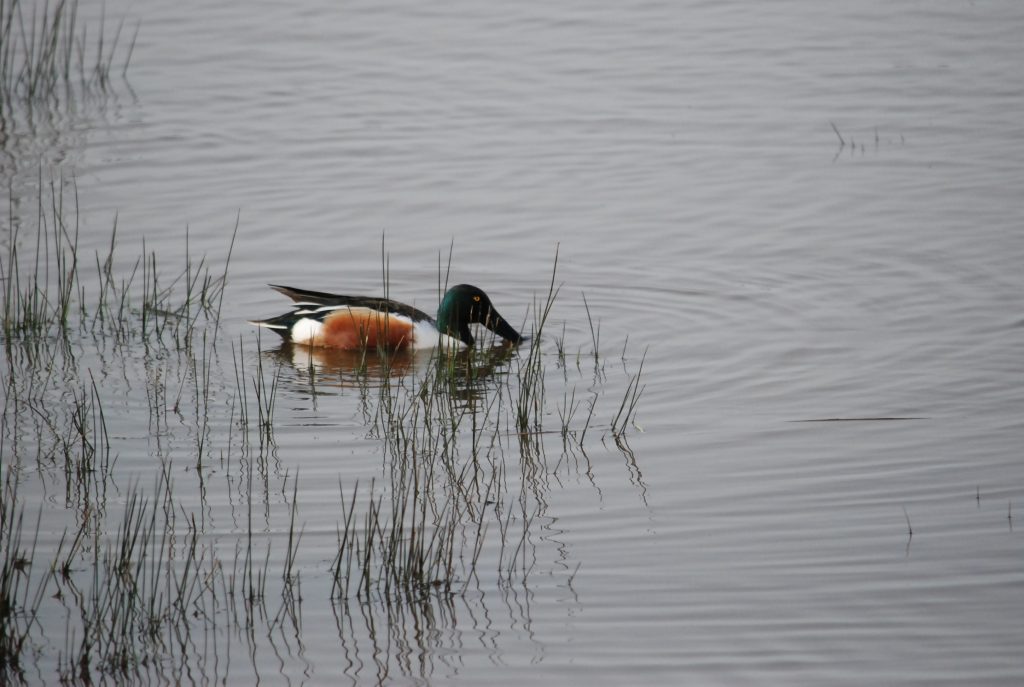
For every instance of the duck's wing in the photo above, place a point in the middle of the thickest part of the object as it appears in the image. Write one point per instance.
(319, 304)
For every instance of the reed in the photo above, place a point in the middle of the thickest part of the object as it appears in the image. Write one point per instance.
(45, 297)
(529, 402)
(19, 604)
(47, 57)
(595, 332)
(627, 409)
(142, 580)
(33, 300)
(402, 551)
(424, 535)
(266, 395)
(144, 590)
(144, 587)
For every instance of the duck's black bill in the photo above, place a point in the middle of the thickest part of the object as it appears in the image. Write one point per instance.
(497, 324)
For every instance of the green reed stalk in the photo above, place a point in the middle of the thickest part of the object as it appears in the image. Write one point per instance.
(43, 55)
(627, 409)
(530, 399)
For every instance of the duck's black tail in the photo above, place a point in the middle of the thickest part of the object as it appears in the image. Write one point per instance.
(282, 324)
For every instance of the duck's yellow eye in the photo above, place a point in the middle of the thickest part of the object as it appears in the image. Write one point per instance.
(476, 298)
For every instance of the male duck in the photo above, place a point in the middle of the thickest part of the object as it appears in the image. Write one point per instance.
(353, 322)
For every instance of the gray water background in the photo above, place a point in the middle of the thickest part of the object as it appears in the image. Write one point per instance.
(799, 210)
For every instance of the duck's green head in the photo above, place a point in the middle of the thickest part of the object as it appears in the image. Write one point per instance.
(464, 305)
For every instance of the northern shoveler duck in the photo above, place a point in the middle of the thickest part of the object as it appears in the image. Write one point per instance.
(353, 322)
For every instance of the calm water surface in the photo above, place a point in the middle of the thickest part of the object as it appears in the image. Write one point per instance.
(807, 215)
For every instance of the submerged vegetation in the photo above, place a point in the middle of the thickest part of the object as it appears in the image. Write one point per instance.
(147, 570)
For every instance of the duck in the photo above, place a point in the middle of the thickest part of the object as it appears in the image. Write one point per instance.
(330, 320)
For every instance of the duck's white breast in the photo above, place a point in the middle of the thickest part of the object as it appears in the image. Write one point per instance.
(425, 335)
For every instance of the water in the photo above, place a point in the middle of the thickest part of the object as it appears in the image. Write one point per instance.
(831, 317)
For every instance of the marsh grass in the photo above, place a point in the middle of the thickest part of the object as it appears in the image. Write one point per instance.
(145, 576)
(45, 297)
(444, 443)
(144, 588)
(36, 299)
(264, 387)
(19, 605)
(529, 401)
(630, 399)
(595, 332)
(48, 58)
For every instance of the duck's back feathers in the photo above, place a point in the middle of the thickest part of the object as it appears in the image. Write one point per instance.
(318, 304)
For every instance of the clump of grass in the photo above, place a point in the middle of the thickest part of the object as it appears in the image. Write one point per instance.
(33, 301)
(448, 509)
(627, 409)
(46, 298)
(409, 546)
(19, 606)
(146, 581)
(424, 534)
(403, 552)
(529, 403)
(86, 450)
(406, 545)
(265, 392)
(47, 57)
(144, 590)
